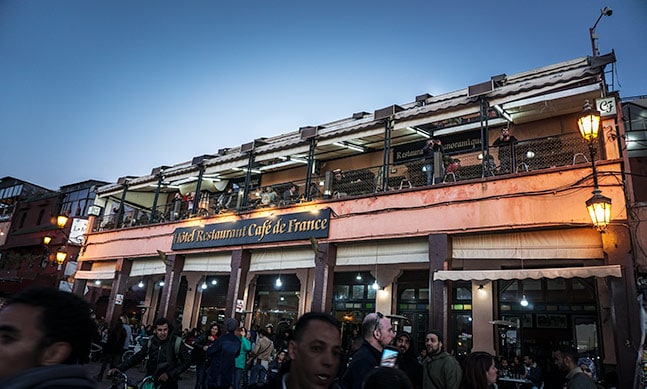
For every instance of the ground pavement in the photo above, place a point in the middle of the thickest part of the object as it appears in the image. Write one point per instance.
(137, 373)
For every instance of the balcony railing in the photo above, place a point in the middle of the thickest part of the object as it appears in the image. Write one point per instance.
(528, 155)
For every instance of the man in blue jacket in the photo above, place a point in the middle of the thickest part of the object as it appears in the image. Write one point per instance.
(222, 354)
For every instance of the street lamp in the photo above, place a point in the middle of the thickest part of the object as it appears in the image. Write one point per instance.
(599, 206)
(606, 11)
(61, 253)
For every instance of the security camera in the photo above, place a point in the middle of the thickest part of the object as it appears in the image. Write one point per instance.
(607, 11)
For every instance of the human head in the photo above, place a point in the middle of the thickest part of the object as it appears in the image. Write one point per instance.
(315, 351)
(162, 328)
(386, 378)
(566, 357)
(230, 325)
(479, 371)
(588, 367)
(377, 330)
(433, 342)
(528, 359)
(403, 342)
(214, 329)
(43, 327)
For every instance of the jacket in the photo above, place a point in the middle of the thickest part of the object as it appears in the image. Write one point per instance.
(222, 354)
(576, 379)
(245, 347)
(364, 359)
(441, 371)
(161, 358)
(51, 377)
(263, 349)
(277, 381)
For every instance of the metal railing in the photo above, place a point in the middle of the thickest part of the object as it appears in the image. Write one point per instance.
(523, 156)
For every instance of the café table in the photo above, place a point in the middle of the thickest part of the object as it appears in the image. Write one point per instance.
(516, 381)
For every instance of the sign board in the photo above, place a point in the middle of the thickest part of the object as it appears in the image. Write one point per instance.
(240, 306)
(455, 143)
(606, 106)
(119, 299)
(294, 226)
(79, 227)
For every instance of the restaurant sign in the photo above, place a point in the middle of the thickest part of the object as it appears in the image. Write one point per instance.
(295, 226)
(454, 143)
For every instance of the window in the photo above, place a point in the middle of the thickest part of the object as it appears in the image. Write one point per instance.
(40, 217)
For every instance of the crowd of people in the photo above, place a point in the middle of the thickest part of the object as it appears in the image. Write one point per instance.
(47, 336)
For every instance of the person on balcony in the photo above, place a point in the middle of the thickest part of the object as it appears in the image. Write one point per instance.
(432, 151)
(505, 143)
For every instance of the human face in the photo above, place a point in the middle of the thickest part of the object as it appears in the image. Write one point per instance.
(491, 374)
(315, 357)
(19, 339)
(586, 370)
(384, 332)
(214, 331)
(161, 331)
(433, 344)
(527, 361)
(560, 361)
(403, 344)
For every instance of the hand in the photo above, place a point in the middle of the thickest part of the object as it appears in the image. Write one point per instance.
(205, 348)
(112, 372)
(211, 339)
(163, 377)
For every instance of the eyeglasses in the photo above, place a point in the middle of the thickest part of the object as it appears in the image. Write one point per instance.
(377, 321)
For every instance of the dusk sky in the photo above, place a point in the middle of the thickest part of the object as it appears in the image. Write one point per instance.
(102, 89)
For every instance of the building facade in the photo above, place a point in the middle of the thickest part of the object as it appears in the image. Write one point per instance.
(349, 217)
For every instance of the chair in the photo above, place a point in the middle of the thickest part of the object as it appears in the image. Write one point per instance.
(582, 155)
(450, 174)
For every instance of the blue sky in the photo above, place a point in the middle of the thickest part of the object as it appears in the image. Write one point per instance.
(101, 89)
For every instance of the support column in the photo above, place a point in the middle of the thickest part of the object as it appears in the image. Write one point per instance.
(306, 279)
(79, 285)
(325, 259)
(149, 315)
(440, 250)
(192, 301)
(119, 287)
(168, 305)
(240, 260)
(482, 337)
(386, 276)
(625, 310)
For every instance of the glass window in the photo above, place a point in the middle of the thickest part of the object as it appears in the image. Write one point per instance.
(463, 293)
(340, 292)
(529, 284)
(556, 284)
(40, 217)
(358, 292)
(408, 294)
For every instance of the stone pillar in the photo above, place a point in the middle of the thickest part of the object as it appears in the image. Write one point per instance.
(240, 261)
(149, 315)
(323, 278)
(168, 304)
(119, 288)
(440, 251)
(192, 301)
(386, 276)
(79, 285)
(482, 330)
(306, 279)
(625, 310)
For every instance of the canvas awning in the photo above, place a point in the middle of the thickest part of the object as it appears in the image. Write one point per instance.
(100, 271)
(535, 274)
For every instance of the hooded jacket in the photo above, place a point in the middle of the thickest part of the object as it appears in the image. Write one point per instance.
(408, 362)
(441, 371)
(51, 377)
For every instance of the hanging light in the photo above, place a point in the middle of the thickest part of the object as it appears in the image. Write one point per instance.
(599, 208)
(61, 254)
(358, 277)
(589, 122)
(279, 283)
(47, 239)
(161, 283)
(141, 284)
(61, 221)
(524, 301)
(204, 285)
(97, 282)
(375, 285)
(214, 282)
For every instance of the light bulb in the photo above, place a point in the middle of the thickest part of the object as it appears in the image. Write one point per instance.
(358, 277)
(141, 284)
(203, 286)
(97, 282)
(375, 285)
(524, 301)
(161, 283)
(278, 282)
(214, 282)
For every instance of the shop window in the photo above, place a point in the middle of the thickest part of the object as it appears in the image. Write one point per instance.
(408, 294)
(556, 284)
(41, 214)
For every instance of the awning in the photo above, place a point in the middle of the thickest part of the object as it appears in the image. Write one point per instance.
(100, 271)
(535, 274)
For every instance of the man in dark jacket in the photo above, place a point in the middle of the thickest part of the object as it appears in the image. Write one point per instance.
(46, 335)
(377, 332)
(440, 370)
(168, 357)
(222, 354)
(408, 359)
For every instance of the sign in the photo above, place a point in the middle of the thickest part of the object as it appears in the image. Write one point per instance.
(606, 106)
(240, 306)
(119, 299)
(295, 226)
(79, 227)
(454, 143)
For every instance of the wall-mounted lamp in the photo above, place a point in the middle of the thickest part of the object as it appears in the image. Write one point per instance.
(204, 285)
(481, 289)
(599, 206)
